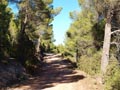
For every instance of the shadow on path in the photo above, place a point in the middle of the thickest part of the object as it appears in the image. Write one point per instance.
(53, 73)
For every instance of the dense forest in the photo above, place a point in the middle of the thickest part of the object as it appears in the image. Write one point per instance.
(92, 41)
(27, 35)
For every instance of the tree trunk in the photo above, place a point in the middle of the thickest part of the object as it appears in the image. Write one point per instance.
(37, 46)
(106, 48)
(38, 51)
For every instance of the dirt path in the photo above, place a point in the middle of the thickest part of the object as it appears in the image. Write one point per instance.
(57, 74)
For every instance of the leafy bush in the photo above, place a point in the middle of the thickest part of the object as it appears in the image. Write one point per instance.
(90, 64)
(112, 77)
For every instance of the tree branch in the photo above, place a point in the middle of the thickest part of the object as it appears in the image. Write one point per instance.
(114, 43)
(115, 31)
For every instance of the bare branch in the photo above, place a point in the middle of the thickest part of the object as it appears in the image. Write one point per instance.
(114, 43)
(115, 31)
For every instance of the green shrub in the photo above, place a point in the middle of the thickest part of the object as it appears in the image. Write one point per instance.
(90, 64)
(112, 77)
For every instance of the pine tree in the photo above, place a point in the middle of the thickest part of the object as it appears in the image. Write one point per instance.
(107, 9)
(35, 29)
(5, 17)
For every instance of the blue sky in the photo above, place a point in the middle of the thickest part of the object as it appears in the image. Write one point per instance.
(14, 7)
(62, 22)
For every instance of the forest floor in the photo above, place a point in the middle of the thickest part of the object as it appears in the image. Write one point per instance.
(58, 74)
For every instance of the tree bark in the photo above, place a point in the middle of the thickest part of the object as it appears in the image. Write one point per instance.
(38, 50)
(37, 46)
(106, 48)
